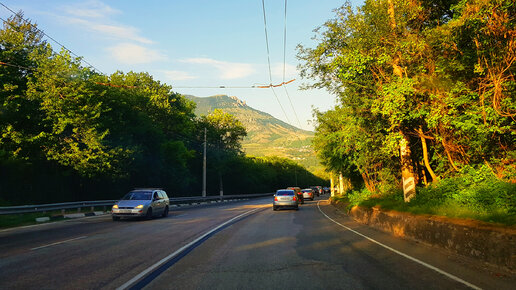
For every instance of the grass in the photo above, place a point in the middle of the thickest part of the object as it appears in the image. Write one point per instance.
(17, 220)
(474, 195)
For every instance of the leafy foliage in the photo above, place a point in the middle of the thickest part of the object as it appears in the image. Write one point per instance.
(69, 133)
(439, 74)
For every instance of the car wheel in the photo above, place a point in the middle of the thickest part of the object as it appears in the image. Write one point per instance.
(116, 218)
(274, 208)
(297, 207)
(149, 213)
(165, 213)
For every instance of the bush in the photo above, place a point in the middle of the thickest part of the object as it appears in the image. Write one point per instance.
(473, 193)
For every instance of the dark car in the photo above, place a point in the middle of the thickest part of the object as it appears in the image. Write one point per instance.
(298, 192)
(317, 190)
(308, 193)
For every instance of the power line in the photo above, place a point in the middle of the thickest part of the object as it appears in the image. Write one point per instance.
(232, 87)
(34, 26)
(269, 60)
(285, 62)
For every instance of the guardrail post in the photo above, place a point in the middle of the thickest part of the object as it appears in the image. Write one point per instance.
(79, 209)
(92, 209)
(63, 211)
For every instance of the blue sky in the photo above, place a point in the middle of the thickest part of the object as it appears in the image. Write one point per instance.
(193, 43)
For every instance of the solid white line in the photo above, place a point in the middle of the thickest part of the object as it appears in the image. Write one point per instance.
(453, 277)
(57, 243)
(167, 258)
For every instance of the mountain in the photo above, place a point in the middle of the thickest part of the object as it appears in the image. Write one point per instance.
(266, 135)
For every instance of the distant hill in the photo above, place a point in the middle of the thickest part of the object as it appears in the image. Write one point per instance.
(266, 135)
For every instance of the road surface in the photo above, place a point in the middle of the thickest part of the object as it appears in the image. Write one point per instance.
(239, 245)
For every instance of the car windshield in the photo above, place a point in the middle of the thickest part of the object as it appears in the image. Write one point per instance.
(307, 190)
(138, 195)
(285, 192)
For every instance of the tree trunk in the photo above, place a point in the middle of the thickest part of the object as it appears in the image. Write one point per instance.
(341, 184)
(332, 184)
(220, 184)
(368, 183)
(449, 156)
(425, 155)
(407, 170)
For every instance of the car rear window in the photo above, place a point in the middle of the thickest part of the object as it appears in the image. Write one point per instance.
(285, 192)
(138, 195)
(307, 190)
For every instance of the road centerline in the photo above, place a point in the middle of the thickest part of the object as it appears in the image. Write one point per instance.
(58, 243)
(186, 248)
(440, 271)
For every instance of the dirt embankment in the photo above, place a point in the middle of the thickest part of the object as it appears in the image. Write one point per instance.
(490, 243)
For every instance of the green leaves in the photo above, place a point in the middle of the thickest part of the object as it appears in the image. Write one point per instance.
(445, 67)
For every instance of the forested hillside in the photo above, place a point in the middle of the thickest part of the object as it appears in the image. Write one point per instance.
(266, 135)
(427, 101)
(69, 133)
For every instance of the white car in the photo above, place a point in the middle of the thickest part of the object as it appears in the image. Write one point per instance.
(308, 193)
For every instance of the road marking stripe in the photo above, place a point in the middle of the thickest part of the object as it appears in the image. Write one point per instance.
(453, 277)
(57, 243)
(178, 252)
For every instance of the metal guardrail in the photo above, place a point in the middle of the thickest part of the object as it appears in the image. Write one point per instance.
(105, 203)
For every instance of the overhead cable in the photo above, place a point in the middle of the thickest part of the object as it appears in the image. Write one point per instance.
(269, 61)
(98, 83)
(285, 63)
(48, 36)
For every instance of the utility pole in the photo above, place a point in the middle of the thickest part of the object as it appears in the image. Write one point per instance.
(295, 172)
(204, 167)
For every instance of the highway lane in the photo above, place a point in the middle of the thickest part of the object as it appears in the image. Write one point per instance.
(264, 250)
(305, 250)
(99, 253)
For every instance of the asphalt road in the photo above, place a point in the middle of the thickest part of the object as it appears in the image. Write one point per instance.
(313, 248)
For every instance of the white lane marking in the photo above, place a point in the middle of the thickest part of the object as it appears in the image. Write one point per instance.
(57, 243)
(167, 258)
(453, 277)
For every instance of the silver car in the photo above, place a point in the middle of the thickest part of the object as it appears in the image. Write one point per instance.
(308, 193)
(285, 198)
(144, 202)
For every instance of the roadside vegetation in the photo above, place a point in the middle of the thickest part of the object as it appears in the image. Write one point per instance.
(71, 133)
(427, 95)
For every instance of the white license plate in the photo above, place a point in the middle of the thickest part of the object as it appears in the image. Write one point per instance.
(125, 211)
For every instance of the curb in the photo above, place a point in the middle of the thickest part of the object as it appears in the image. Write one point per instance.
(482, 241)
(70, 216)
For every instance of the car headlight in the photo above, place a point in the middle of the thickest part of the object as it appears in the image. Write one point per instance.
(140, 206)
(115, 206)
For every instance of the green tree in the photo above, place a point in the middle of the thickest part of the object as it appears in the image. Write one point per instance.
(224, 134)
(432, 80)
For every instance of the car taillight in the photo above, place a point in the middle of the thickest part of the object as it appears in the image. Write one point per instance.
(275, 198)
(294, 198)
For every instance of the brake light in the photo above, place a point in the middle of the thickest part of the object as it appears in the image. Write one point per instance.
(275, 198)
(294, 198)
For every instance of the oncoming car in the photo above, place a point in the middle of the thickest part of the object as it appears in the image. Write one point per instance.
(144, 202)
(308, 193)
(285, 198)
